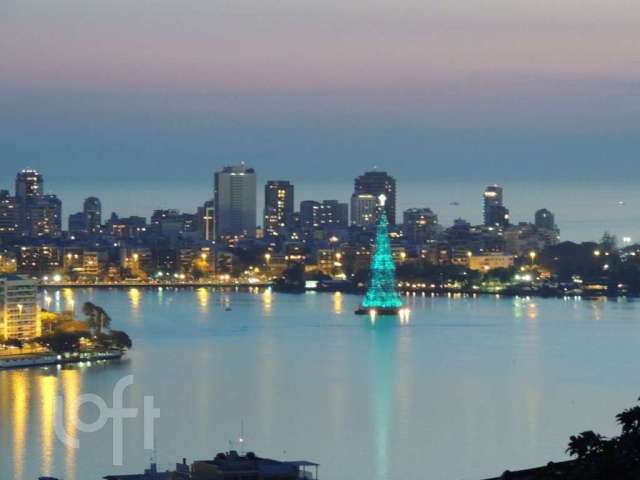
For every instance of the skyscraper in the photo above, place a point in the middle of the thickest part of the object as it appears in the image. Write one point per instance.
(43, 216)
(77, 224)
(545, 220)
(93, 214)
(29, 184)
(9, 215)
(278, 206)
(377, 183)
(309, 214)
(333, 214)
(363, 209)
(420, 225)
(495, 213)
(234, 194)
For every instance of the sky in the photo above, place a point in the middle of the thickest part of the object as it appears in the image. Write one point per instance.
(121, 91)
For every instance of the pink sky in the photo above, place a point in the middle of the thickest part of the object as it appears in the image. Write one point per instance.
(301, 46)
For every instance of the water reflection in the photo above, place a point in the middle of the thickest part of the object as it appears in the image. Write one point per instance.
(384, 336)
(203, 299)
(71, 390)
(337, 303)
(69, 299)
(19, 386)
(134, 300)
(48, 385)
(267, 300)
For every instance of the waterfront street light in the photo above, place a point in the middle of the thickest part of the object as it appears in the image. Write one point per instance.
(532, 256)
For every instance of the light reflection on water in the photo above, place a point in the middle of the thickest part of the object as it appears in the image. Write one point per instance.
(309, 379)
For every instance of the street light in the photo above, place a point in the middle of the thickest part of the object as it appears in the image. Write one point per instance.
(532, 256)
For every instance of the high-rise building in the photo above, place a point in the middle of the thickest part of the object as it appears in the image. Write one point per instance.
(333, 214)
(278, 206)
(19, 312)
(29, 184)
(93, 214)
(235, 201)
(495, 213)
(43, 216)
(545, 220)
(309, 214)
(377, 183)
(77, 224)
(364, 207)
(420, 225)
(37, 260)
(9, 215)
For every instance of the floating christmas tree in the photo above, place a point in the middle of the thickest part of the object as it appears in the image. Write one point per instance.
(382, 297)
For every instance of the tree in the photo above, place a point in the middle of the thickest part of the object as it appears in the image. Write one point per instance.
(586, 444)
(61, 342)
(97, 318)
(14, 342)
(89, 311)
(120, 339)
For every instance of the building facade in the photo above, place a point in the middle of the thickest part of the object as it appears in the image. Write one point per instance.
(364, 208)
(333, 214)
(495, 213)
(420, 225)
(19, 310)
(235, 202)
(278, 206)
(309, 215)
(9, 215)
(377, 183)
(92, 210)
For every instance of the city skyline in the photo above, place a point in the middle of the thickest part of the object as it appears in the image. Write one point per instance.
(583, 218)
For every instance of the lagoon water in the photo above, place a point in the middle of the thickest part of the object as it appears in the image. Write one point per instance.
(463, 389)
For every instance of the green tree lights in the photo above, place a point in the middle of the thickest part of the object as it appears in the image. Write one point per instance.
(381, 294)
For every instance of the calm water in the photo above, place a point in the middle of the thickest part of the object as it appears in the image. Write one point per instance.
(465, 389)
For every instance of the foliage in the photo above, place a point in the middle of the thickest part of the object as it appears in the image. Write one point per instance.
(292, 279)
(61, 342)
(114, 339)
(97, 318)
(13, 342)
(598, 457)
(120, 339)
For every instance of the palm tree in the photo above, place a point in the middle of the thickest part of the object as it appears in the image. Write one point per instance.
(97, 318)
(629, 420)
(89, 311)
(103, 319)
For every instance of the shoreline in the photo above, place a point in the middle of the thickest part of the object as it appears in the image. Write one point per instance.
(10, 362)
(507, 292)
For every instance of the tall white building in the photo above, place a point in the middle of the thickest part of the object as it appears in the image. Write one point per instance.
(234, 194)
(364, 207)
(19, 311)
